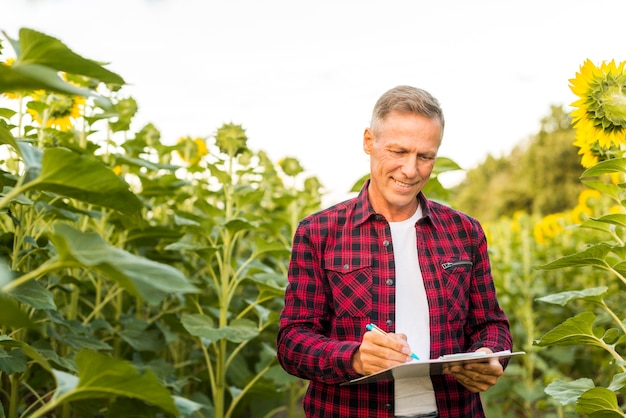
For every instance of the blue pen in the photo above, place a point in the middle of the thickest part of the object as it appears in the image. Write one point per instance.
(373, 327)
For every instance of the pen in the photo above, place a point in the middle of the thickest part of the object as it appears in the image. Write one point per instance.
(373, 327)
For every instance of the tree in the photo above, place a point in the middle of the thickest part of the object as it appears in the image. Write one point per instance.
(540, 175)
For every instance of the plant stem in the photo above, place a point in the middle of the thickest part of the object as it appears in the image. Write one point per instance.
(247, 388)
(50, 265)
(14, 402)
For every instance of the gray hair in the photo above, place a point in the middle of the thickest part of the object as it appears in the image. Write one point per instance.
(406, 99)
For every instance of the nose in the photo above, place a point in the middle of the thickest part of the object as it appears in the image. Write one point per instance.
(410, 167)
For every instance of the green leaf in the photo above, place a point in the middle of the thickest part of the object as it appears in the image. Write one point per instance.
(620, 268)
(11, 315)
(574, 331)
(126, 407)
(200, 325)
(38, 48)
(189, 408)
(435, 190)
(140, 276)
(277, 248)
(607, 188)
(239, 224)
(567, 393)
(444, 165)
(141, 163)
(143, 340)
(31, 352)
(596, 225)
(29, 77)
(618, 219)
(594, 294)
(138, 336)
(246, 195)
(33, 294)
(611, 335)
(269, 284)
(618, 382)
(40, 58)
(358, 185)
(592, 256)
(222, 176)
(125, 109)
(599, 403)
(79, 338)
(102, 376)
(7, 138)
(7, 113)
(69, 174)
(189, 243)
(50, 356)
(606, 167)
(15, 361)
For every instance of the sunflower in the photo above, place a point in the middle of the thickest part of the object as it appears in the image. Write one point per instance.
(57, 110)
(600, 112)
(191, 149)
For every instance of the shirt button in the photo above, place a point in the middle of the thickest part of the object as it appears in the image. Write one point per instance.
(389, 322)
(346, 266)
(386, 243)
(389, 282)
(388, 407)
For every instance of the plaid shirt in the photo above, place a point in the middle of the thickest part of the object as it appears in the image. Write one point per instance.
(341, 277)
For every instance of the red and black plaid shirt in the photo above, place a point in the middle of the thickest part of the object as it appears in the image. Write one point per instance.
(341, 277)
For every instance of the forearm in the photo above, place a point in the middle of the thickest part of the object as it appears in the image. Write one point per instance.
(307, 354)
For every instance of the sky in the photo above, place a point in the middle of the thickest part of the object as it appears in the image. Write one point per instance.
(302, 77)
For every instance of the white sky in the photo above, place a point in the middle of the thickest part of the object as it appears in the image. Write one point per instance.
(302, 76)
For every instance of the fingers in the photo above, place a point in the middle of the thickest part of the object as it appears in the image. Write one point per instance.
(378, 352)
(474, 384)
(476, 381)
(477, 377)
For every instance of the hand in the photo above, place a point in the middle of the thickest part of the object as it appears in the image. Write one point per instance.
(378, 352)
(477, 377)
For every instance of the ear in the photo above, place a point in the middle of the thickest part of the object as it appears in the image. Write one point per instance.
(368, 141)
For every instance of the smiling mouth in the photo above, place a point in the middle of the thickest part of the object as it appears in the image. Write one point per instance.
(402, 184)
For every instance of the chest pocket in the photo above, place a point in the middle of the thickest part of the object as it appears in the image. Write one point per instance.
(457, 276)
(351, 285)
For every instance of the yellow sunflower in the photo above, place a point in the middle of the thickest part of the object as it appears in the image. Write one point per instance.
(57, 110)
(191, 149)
(600, 112)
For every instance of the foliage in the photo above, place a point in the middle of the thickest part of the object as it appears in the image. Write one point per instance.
(561, 280)
(538, 176)
(517, 245)
(137, 279)
(600, 119)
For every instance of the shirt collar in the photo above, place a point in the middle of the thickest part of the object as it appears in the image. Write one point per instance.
(363, 209)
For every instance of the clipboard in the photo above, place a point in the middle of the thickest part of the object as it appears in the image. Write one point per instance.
(419, 368)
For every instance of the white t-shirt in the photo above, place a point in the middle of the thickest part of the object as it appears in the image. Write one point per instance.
(412, 395)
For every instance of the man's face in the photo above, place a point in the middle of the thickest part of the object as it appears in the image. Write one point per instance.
(402, 156)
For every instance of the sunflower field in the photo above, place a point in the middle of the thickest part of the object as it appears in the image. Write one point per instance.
(144, 278)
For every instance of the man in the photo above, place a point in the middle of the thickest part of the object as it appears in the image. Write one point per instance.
(418, 269)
